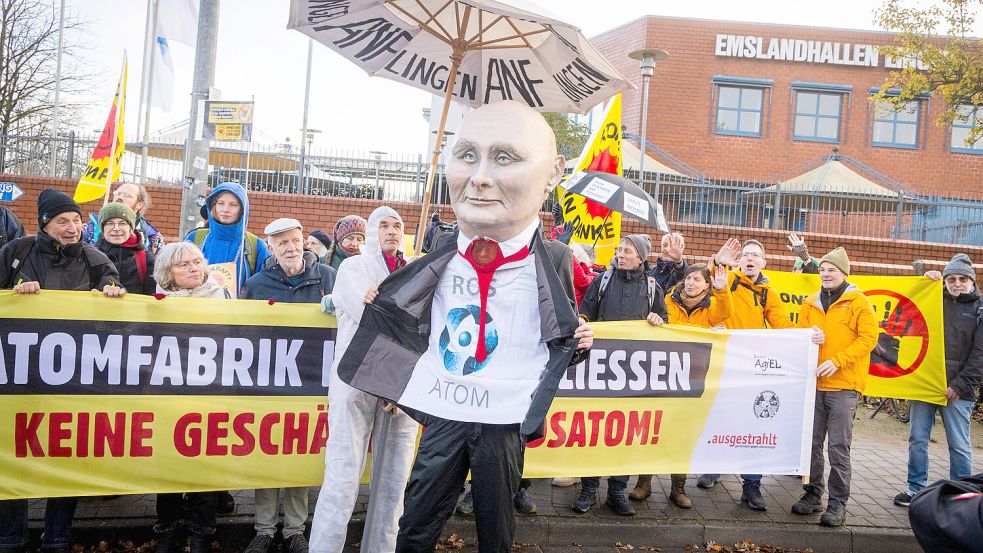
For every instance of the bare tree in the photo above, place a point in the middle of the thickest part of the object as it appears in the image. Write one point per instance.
(28, 59)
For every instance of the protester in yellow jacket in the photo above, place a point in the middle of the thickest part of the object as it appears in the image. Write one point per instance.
(846, 317)
(698, 300)
(756, 305)
(694, 302)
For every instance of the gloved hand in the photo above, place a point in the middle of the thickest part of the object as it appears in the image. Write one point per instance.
(327, 305)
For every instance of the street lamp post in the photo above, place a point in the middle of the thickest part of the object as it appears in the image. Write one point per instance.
(377, 156)
(306, 141)
(647, 57)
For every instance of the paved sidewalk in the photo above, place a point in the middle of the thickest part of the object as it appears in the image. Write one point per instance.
(874, 523)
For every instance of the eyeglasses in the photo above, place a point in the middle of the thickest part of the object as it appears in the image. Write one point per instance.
(116, 224)
(751, 254)
(127, 195)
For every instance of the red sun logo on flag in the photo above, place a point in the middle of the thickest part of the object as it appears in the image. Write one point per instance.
(605, 163)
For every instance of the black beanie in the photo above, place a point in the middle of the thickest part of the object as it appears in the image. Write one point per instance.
(52, 202)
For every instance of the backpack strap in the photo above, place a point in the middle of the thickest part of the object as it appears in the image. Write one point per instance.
(249, 250)
(22, 249)
(605, 279)
(93, 261)
(199, 237)
(652, 288)
(248, 246)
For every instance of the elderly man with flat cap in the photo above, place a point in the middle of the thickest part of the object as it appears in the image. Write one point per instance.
(473, 339)
(289, 275)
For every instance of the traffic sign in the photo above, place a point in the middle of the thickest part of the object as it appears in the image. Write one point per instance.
(9, 192)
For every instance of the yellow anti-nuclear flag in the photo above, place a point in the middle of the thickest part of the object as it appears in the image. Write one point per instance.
(104, 165)
(909, 359)
(594, 224)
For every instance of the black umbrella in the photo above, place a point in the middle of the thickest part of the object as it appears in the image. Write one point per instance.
(618, 194)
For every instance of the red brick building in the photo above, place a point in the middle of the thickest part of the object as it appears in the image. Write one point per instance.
(753, 102)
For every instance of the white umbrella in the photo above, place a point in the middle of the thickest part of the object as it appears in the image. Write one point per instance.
(471, 51)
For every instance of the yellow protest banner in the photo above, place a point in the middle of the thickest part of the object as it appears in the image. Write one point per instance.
(680, 399)
(138, 395)
(594, 224)
(105, 164)
(909, 360)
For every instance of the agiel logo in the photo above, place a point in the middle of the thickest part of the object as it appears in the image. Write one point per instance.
(903, 341)
(459, 340)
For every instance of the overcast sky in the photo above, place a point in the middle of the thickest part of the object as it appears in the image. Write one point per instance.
(258, 58)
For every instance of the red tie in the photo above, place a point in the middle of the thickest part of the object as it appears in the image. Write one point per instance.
(485, 257)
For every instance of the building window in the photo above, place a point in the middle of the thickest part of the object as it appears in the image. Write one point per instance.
(896, 127)
(961, 129)
(817, 116)
(739, 110)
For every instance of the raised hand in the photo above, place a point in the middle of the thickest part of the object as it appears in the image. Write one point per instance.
(718, 275)
(797, 245)
(730, 253)
(675, 246)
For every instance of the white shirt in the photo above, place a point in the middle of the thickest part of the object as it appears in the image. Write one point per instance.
(499, 390)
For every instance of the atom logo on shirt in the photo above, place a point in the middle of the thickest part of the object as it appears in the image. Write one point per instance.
(459, 340)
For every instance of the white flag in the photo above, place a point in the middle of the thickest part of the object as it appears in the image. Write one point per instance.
(177, 20)
(162, 88)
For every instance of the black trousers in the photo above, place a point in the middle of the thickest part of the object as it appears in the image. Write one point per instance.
(448, 449)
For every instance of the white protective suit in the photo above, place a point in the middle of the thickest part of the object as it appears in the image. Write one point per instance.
(354, 416)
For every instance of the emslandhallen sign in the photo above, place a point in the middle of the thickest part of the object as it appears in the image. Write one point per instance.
(809, 51)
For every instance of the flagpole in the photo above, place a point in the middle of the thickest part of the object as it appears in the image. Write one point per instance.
(150, 94)
(110, 168)
(54, 115)
(143, 66)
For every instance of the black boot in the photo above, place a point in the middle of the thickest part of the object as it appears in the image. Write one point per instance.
(618, 502)
(835, 514)
(201, 540)
(586, 499)
(752, 496)
(167, 540)
(810, 502)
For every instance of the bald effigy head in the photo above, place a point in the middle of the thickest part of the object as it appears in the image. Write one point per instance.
(501, 168)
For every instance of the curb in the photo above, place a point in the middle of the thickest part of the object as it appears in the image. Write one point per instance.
(556, 531)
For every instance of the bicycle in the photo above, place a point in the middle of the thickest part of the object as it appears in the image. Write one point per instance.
(897, 406)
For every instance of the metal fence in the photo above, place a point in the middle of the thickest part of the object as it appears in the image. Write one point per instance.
(685, 195)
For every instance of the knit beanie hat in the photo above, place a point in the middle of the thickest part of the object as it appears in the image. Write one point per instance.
(322, 237)
(117, 210)
(838, 259)
(348, 225)
(960, 265)
(642, 243)
(53, 202)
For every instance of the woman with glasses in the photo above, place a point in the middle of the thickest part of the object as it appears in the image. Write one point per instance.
(120, 240)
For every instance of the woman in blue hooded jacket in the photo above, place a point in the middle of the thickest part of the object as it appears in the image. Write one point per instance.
(225, 239)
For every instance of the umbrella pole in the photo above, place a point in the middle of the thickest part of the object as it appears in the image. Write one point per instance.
(456, 58)
(602, 225)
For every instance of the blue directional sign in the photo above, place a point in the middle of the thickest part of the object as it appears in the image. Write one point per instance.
(9, 192)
